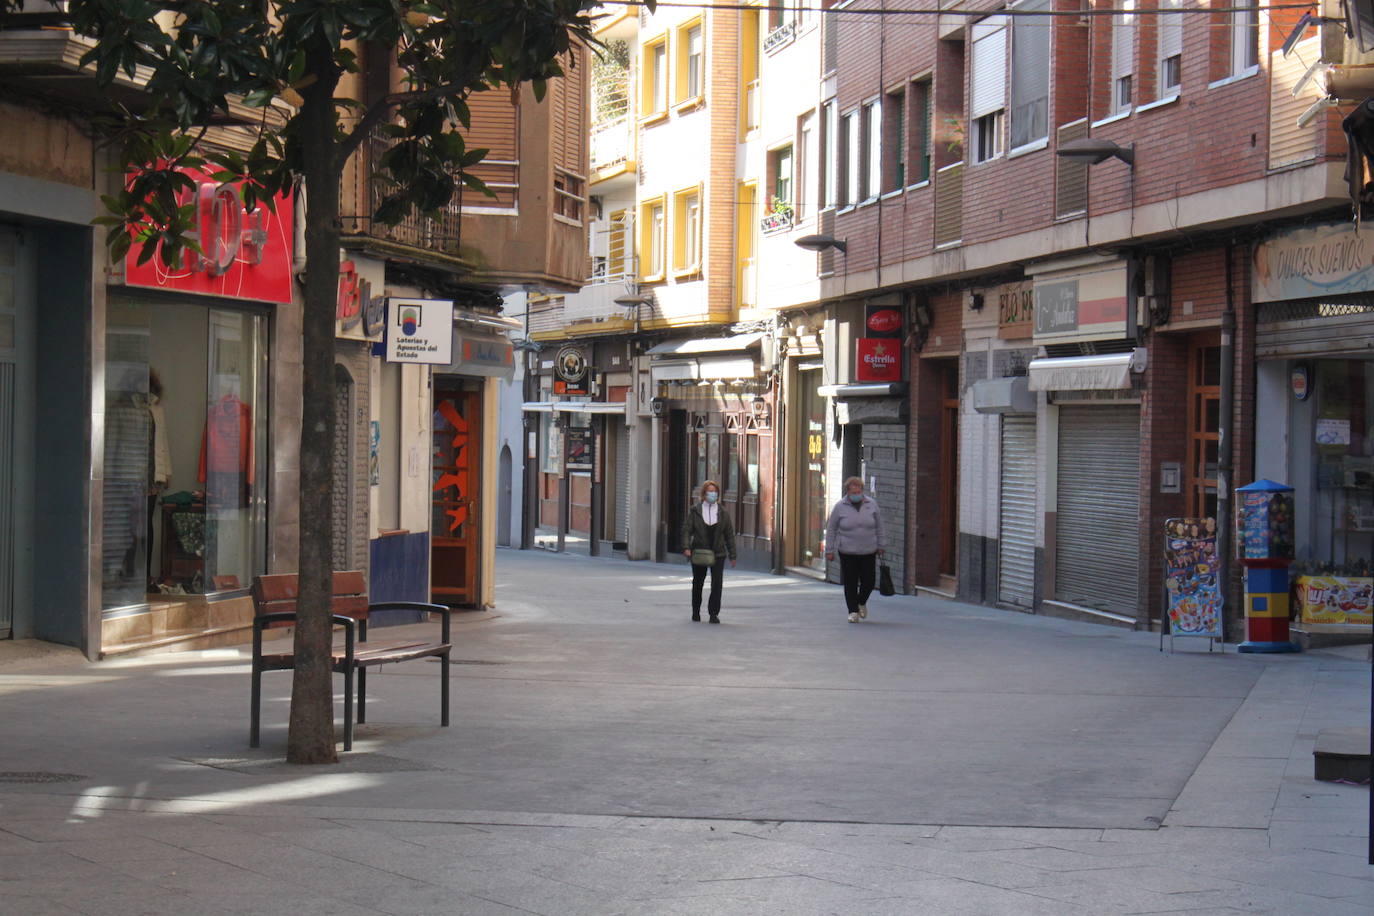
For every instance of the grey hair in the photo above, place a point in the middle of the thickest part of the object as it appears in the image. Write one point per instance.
(853, 480)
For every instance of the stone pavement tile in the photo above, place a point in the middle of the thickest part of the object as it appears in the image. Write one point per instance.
(11, 844)
(1236, 809)
(1099, 898)
(1057, 859)
(987, 838)
(1180, 836)
(1165, 880)
(1328, 864)
(309, 869)
(34, 906)
(124, 849)
(548, 898)
(1268, 874)
(1250, 898)
(953, 895)
(272, 824)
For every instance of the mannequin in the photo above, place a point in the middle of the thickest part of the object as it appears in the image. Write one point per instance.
(159, 460)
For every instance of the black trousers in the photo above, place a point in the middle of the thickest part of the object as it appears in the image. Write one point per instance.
(857, 572)
(699, 579)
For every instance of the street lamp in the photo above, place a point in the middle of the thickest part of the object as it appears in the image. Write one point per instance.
(1091, 151)
(821, 243)
(633, 301)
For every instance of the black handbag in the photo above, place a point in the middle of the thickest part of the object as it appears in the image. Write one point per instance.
(885, 581)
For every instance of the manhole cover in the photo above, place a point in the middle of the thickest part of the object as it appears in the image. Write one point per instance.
(37, 776)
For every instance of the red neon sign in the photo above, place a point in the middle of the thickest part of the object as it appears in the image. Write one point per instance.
(243, 255)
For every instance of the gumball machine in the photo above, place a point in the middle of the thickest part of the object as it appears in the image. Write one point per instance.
(1264, 546)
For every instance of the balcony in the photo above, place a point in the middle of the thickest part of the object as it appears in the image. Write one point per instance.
(612, 143)
(780, 37)
(360, 196)
(775, 222)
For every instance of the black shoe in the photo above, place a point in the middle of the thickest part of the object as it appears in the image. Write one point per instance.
(715, 619)
(696, 616)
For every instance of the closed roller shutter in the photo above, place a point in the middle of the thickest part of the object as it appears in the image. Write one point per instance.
(1016, 537)
(1097, 531)
(621, 528)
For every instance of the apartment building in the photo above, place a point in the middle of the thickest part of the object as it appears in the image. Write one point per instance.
(1100, 226)
(160, 430)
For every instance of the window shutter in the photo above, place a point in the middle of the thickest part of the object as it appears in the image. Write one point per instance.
(495, 121)
(1030, 74)
(1123, 42)
(988, 91)
(1170, 31)
(569, 122)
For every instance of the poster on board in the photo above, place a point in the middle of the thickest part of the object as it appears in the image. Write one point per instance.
(1192, 593)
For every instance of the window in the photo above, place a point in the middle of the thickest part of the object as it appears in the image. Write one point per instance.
(1123, 57)
(655, 80)
(1244, 36)
(894, 141)
(988, 92)
(1030, 75)
(687, 230)
(749, 70)
(1170, 31)
(828, 190)
(871, 176)
(806, 162)
(618, 244)
(651, 239)
(780, 175)
(918, 137)
(690, 60)
(849, 159)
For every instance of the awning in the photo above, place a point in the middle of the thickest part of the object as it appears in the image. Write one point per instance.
(706, 345)
(610, 407)
(708, 367)
(481, 353)
(1109, 371)
(863, 390)
(1002, 395)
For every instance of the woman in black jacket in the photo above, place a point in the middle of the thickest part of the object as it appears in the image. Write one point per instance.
(708, 527)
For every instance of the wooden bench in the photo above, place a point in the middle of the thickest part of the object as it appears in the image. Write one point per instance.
(274, 604)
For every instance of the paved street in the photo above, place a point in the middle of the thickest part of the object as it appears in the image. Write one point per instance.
(609, 756)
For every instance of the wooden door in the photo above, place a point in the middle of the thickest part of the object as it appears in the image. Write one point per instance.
(455, 520)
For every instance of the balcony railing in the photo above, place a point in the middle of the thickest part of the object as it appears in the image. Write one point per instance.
(612, 142)
(775, 222)
(779, 37)
(360, 197)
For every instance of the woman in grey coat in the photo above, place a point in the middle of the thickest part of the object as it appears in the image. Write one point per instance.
(708, 527)
(855, 532)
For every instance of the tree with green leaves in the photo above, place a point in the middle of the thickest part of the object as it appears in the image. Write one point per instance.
(287, 57)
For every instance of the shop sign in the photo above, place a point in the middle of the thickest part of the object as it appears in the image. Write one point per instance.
(1312, 262)
(579, 444)
(1084, 305)
(878, 359)
(242, 255)
(476, 353)
(883, 321)
(571, 371)
(359, 314)
(419, 331)
(1015, 310)
(1336, 599)
(1190, 577)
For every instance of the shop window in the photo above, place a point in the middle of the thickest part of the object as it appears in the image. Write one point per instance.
(751, 466)
(185, 433)
(730, 479)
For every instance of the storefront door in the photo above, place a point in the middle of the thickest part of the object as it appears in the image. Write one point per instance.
(454, 519)
(811, 451)
(1097, 528)
(15, 424)
(1016, 537)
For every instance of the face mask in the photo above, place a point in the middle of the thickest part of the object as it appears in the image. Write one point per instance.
(856, 498)
(712, 496)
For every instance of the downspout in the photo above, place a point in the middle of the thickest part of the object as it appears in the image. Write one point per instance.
(1224, 446)
(298, 250)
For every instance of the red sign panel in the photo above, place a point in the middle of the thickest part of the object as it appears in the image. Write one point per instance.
(878, 359)
(884, 321)
(244, 255)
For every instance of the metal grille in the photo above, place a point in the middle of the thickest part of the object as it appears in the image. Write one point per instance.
(1016, 539)
(1097, 541)
(621, 529)
(1309, 309)
(343, 458)
(949, 204)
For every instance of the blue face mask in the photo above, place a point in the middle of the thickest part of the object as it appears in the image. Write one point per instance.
(712, 496)
(856, 498)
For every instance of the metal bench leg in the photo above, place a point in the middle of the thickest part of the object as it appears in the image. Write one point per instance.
(443, 689)
(255, 717)
(362, 694)
(348, 707)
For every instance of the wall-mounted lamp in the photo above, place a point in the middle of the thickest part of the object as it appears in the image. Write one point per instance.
(1091, 151)
(759, 407)
(924, 317)
(635, 301)
(1299, 27)
(975, 302)
(822, 242)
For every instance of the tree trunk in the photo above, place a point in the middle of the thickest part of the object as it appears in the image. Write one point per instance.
(311, 736)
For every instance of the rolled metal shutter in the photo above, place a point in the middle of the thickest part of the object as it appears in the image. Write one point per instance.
(621, 529)
(1016, 535)
(1097, 529)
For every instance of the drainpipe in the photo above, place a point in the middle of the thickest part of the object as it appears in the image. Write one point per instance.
(298, 214)
(1224, 446)
(655, 489)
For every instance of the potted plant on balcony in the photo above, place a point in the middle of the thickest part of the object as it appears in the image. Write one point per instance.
(778, 217)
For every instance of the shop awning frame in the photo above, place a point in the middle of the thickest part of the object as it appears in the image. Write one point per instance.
(1101, 372)
(864, 390)
(707, 345)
